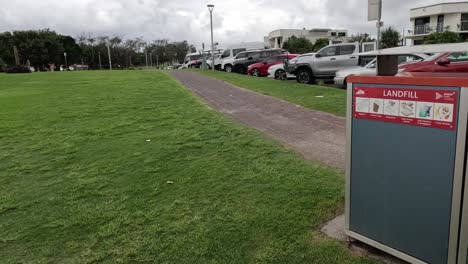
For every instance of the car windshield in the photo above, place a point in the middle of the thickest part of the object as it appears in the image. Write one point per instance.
(195, 57)
(241, 55)
(371, 64)
(433, 57)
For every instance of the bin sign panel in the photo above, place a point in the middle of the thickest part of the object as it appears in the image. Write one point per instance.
(417, 107)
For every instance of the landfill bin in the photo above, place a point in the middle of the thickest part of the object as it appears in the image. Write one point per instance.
(406, 156)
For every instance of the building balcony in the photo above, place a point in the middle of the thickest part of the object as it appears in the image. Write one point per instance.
(427, 29)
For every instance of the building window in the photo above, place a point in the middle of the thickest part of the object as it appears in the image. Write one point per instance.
(333, 34)
(422, 25)
(440, 23)
(464, 22)
(418, 42)
(342, 34)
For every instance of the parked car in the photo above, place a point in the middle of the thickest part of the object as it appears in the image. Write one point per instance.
(370, 69)
(440, 62)
(192, 60)
(261, 68)
(325, 63)
(210, 58)
(245, 59)
(277, 71)
(227, 57)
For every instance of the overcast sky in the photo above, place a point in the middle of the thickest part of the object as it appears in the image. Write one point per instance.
(234, 20)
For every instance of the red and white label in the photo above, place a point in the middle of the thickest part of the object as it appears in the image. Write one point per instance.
(417, 107)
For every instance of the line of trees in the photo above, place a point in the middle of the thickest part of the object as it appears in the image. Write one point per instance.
(43, 47)
(301, 45)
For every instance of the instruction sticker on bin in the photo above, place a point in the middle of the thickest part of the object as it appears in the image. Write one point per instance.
(417, 107)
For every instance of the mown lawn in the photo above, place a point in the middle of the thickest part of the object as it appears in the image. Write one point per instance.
(325, 99)
(129, 167)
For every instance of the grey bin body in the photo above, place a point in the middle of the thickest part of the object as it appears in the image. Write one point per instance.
(400, 182)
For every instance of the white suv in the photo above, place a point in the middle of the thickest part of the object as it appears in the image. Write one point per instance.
(226, 60)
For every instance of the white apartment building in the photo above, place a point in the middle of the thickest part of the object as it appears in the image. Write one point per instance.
(278, 37)
(438, 18)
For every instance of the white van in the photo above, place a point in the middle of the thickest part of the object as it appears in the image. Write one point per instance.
(226, 59)
(192, 60)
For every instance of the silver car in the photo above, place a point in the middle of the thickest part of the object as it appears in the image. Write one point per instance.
(325, 63)
(370, 69)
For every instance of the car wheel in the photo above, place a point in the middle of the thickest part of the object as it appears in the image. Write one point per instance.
(228, 68)
(304, 76)
(256, 73)
(280, 75)
(239, 69)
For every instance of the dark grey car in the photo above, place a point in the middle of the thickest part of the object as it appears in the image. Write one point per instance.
(245, 59)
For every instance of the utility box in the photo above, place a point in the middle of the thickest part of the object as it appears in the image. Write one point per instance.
(406, 159)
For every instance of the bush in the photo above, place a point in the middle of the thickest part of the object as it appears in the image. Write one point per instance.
(443, 37)
(18, 69)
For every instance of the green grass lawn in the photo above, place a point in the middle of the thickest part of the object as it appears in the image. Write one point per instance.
(333, 100)
(129, 167)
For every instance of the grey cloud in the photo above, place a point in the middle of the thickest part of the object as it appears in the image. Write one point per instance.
(234, 20)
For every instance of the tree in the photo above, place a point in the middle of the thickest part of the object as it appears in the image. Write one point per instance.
(389, 38)
(444, 37)
(297, 45)
(42, 47)
(361, 38)
(320, 43)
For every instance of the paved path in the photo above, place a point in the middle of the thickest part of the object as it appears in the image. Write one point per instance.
(317, 136)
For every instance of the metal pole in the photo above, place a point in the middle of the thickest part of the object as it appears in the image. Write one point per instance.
(151, 59)
(204, 64)
(99, 55)
(378, 35)
(109, 54)
(146, 57)
(378, 24)
(212, 43)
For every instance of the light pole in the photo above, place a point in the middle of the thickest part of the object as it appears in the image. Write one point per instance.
(379, 24)
(108, 53)
(99, 55)
(65, 55)
(211, 7)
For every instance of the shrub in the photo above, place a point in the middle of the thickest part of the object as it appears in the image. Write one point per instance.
(443, 37)
(18, 69)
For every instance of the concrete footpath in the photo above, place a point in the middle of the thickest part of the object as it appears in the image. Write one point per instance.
(316, 135)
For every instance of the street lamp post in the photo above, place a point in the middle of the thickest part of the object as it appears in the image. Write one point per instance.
(65, 55)
(211, 7)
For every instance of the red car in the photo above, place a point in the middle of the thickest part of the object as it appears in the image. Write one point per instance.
(261, 68)
(440, 62)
